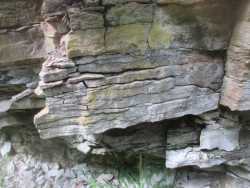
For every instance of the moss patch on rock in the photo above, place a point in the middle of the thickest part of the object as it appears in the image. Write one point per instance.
(84, 43)
(159, 37)
(130, 13)
(126, 38)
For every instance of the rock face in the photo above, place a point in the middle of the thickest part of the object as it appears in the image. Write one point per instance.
(235, 93)
(132, 64)
(166, 78)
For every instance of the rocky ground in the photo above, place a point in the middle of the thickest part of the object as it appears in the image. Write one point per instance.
(28, 161)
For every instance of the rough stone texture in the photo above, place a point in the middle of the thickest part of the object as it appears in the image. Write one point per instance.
(19, 13)
(20, 46)
(182, 2)
(221, 138)
(130, 80)
(191, 157)
(34, 163)
(131, 92)
(235, 93)
(131, 97)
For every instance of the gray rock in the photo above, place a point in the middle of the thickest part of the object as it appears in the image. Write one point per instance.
(20, 46)
(133, 76)
(133, 97)
(105, 178)
(84, 147)
(129, 14)
(55, 173)
(235, 90)
(192, 157)
(5, 149)
(220, 138)
(198, 179)
(5, 105)
(83, 77)
(181, 2)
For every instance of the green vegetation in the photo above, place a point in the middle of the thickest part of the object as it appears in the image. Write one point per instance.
(159, 37)
(138, 172)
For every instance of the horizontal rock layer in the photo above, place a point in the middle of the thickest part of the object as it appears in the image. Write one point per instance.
(133, 76)
(159, 68)
(159, 87)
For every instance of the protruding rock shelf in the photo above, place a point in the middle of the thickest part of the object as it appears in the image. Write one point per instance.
(161, 79)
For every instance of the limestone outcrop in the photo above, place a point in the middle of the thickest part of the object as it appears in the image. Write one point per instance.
(167, 79)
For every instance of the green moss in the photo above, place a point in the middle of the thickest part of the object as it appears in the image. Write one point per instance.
(159, 37)
(73, 43)
(127, 37)
(92, 98)
(83, 43)
(130, 13)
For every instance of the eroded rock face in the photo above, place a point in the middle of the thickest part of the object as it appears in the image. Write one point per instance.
(125, 98)
(22, 52)
(235, 93)
(153, 75)
(132, 76)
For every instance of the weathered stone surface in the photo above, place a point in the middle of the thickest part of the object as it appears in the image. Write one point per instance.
(21, 46)
(14, 79)
(13, 119)
(57, 6)
(19, 13)
(85, 43)
(26, 100)
(214, 137)
(196, 156)
(130, 13)
(5, 149)
(83, 20)
(189, 135)
(191, 157)
(5, 105)
(127, 38)
(182, 2)
(85, 77)
(199, 26)
(235, 91)
(191, 178)
(56, 74)
(234, 182)
(135, 27)
(133, 97)
(113, 2)
(135, 78)
(150, 140)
